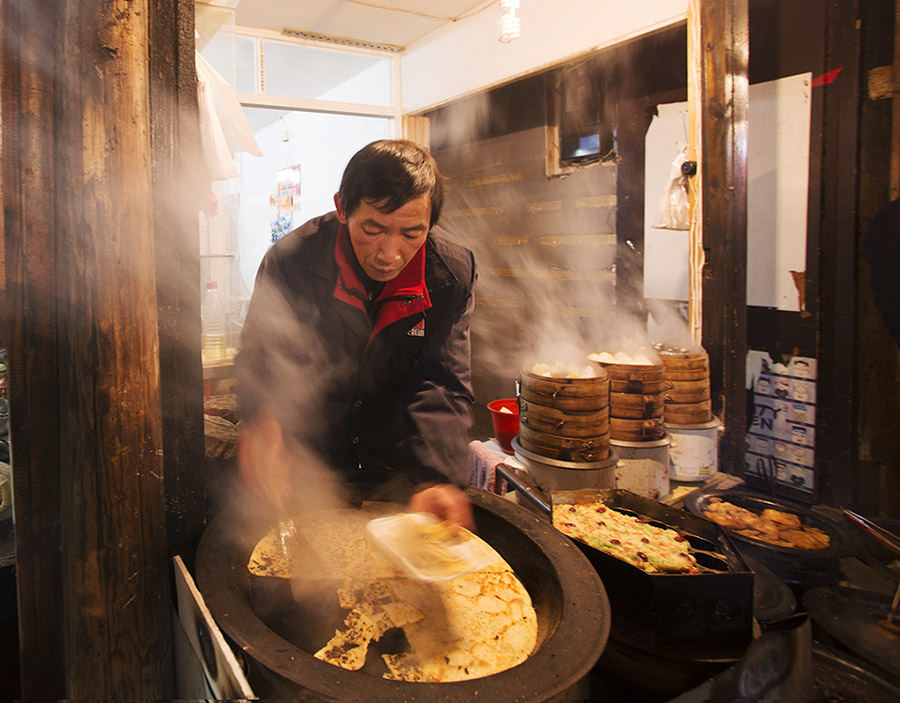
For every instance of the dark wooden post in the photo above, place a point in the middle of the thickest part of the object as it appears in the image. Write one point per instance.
(83, 223)
(722, 54)
(29, 332)
(176, 187)
(836, 437)
(115, 570)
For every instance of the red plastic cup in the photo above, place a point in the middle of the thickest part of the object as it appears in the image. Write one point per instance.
(506, 424)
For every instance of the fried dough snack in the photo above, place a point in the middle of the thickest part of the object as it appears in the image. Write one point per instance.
(771, 526)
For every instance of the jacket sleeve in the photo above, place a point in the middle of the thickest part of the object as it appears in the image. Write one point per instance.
(254, 374)
(278, 347)
(438, 393)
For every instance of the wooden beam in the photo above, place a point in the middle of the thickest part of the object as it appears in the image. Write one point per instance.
(177, 191)
(81, 310)
(29, 331)
(720, 51)
(895, 108)
(836, 440)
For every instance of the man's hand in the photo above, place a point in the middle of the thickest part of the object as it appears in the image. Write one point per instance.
(262, 460)
(447, 502)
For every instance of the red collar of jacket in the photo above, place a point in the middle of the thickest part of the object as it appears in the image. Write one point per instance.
(402, 296)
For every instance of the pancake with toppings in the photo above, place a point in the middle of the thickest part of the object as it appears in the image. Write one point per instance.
(648, 547)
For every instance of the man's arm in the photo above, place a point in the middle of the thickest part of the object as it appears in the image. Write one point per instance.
(439, 394)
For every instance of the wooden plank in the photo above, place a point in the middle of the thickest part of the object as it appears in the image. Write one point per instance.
(696, 97)
(836, 460)
(177, 189)
(895, 108)
(29, 331)
(723, 51)
(115, 562)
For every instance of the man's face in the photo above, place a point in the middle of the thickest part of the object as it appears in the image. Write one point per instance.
(385, 242)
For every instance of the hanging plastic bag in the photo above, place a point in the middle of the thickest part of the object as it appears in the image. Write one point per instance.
(674, 205)
(224, 129)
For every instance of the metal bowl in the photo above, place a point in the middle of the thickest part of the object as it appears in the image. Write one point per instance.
(556, 474)
(841, 545)
(806, 567)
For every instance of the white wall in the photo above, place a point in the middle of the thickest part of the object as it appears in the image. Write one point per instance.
(466, 56)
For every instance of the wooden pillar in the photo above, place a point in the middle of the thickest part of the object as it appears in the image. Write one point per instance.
(895, 108)
(718, 55)
(836, 439)
(80, 310)
(177, 187)
(29, 332)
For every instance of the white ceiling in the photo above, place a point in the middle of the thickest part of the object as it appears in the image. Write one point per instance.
(397, 22)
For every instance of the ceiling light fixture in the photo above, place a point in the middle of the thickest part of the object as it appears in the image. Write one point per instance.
(345, 41)
(509, 25)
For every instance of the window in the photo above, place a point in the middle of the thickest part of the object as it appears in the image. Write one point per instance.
(310, 107)
(580, 120)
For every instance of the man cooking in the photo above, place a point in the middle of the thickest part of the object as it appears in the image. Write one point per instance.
(356, 343)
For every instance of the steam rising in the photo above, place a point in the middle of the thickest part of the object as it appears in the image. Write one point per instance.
(285, 370)
(546, 253)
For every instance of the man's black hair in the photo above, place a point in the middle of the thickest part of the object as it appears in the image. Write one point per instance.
(389, 173)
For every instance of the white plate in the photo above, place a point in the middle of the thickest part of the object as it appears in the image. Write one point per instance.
(391, 535)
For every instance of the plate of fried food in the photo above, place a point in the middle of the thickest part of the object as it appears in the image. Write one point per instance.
(769, 523)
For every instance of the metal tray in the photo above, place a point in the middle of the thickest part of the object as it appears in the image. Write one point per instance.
(687, 616)
(804, 567)
(841, 545)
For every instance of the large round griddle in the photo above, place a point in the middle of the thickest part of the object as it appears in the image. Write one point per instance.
(569, 599)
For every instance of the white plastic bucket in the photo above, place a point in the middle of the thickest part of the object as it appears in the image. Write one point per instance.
(694, 454)
(643, 467)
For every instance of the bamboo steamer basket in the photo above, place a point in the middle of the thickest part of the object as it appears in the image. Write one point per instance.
(690, 361)
(566, 394)
(542, 418)
(687, 391)
(643, 379)
(636, 401)
(643, 430)
(689, 413)
(639, 372)
(636, 406)
(636, 386)
(688, 375)
(687, 387)
(565, 418)
(574, 449)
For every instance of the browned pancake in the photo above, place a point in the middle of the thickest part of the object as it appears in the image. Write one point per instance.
(462, 628)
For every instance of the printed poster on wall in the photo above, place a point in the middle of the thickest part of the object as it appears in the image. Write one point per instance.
(286, 200)
(781, 440)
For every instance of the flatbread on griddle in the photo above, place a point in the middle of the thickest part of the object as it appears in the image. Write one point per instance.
(463, 628)
(326, 544)
(348, 647)
(476, 625)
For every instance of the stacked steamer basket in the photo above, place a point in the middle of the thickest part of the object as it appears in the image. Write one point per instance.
(687, 399)
(564, 427)
(637, 421)
(688, 413)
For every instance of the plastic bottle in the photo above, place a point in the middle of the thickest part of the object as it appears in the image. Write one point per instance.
(212, 316)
